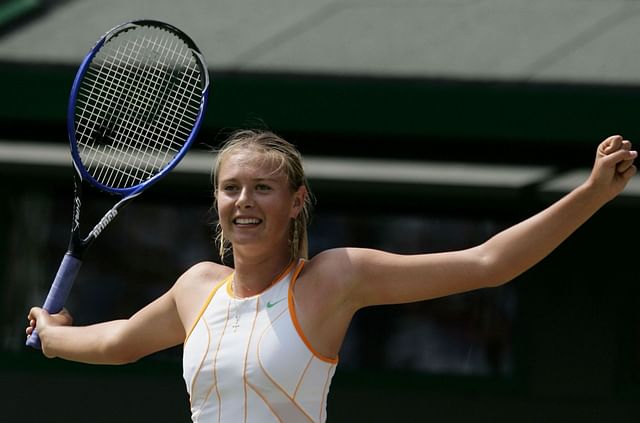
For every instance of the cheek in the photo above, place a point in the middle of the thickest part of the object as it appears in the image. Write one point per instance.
(285, 215)
(222, 207)
(275, 208)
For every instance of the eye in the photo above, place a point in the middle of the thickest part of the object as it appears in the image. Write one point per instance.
(263, 187)
(230, 188)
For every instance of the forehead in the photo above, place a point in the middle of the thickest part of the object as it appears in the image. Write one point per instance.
(249, 163)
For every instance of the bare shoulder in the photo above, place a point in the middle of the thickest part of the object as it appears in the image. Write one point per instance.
(334, 270)
(342, 263)
(324, 297)
(204, 272)
(351, 275)
(194, 286)
(328, 264)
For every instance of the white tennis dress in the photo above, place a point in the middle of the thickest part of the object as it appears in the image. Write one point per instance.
(246, 359)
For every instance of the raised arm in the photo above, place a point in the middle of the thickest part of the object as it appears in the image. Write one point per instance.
(374, 277)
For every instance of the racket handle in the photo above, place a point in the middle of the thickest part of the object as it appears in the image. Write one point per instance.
(59, 291)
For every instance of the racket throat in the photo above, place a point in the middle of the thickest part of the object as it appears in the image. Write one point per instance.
(104, 222)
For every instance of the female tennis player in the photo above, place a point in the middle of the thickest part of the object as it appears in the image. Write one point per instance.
(261, 340)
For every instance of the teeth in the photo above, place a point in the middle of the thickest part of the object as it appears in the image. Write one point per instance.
(247, 221)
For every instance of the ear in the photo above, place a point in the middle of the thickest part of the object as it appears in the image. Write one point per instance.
(299, 197)
(215, 199)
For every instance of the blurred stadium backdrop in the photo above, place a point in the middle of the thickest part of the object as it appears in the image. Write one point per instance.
(426, 126)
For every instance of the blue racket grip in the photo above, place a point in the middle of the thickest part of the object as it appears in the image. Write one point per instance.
(59, 291)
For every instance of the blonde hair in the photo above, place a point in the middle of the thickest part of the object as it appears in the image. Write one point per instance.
(287, 159)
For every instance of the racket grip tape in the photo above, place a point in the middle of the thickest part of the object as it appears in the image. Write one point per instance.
(59, 291)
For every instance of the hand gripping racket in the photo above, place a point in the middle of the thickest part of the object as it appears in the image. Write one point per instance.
(136, 105)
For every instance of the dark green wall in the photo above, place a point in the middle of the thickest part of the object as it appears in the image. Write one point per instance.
(404, 110)
(578, 324)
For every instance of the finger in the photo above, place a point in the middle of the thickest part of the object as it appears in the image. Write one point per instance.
(34, 313)
(626, 176)
(629, 173)
(624, 165)
(62, 318)
(67, 315)
(38, 313)
(611, 144)
(31, 327)
(619, 156)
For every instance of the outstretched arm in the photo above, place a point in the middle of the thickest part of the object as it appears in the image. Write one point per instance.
(155, 327)
(374, 277)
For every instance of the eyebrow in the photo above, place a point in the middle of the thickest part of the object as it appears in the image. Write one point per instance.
(254, 179)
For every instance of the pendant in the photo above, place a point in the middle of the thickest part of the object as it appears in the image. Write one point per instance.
(236, 324)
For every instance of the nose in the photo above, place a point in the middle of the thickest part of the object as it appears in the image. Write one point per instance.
(245, 199)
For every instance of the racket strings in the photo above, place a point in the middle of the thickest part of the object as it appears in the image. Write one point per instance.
(174, 109)
(160, 147)
(127, 126)
(137, 106)
(137, 157)
(111, 95)
(153, 77)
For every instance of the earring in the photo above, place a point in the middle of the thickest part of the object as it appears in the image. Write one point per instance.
(295, 241)
(221, 241)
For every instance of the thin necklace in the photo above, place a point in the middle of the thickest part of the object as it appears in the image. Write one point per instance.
(236, 313)
(235, 299)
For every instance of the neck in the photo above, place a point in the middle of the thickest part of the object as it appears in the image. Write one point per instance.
(255, 274)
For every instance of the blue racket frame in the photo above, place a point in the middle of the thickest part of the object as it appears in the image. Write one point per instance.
(72, 260)
(84, 66)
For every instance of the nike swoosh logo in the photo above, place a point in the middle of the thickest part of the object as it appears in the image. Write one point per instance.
(271, 304)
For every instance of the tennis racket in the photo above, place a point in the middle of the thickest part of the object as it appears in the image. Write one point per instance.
(135, 108)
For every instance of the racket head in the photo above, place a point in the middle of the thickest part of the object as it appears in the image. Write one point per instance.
(136, 105)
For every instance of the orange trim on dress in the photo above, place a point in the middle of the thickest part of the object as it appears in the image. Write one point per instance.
(296, 324)
(197, 372)
(254, 389)
(246, 357)
(277, 279)
(206, 304)
(304, 372)
(281, 388)
(215, 367)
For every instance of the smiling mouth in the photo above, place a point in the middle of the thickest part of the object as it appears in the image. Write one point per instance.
(246, 221)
